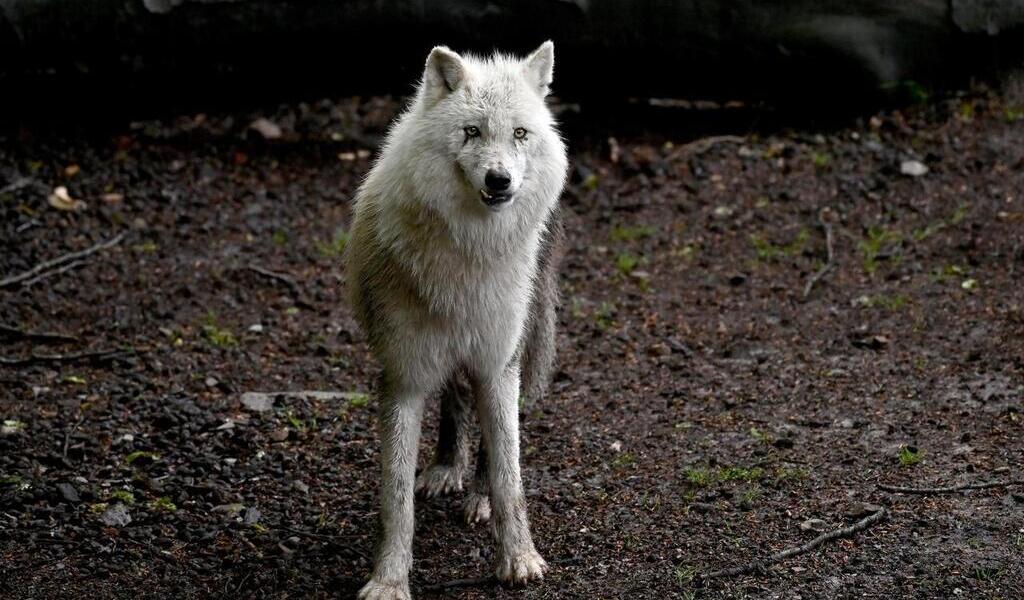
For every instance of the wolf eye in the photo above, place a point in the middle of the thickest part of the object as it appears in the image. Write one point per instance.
(520, 133)
(472, 131)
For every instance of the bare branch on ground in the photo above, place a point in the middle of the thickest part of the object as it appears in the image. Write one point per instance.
(59, 265)
(760, 565)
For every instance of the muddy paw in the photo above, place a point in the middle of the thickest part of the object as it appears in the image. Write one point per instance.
(477, 508)
(521, 568)
(375, 590)
(439, 480)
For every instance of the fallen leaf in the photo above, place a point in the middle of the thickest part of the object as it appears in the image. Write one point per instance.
(61, 200)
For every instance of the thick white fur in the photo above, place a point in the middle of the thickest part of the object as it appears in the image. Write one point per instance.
(441, 282)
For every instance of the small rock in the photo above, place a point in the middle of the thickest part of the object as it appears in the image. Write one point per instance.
(211, 382)
(257, 402)
(859, 510)
(116, 516)
(913, 168)
(300, 487)
(659, 349)
(69, 492)
(229, 509)
(279, 435)
(816, 525)
(267, 128)
(252, 516)
(256, 328)
(616, 446)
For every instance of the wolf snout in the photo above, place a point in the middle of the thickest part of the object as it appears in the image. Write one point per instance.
(496, 191)
(497, 180)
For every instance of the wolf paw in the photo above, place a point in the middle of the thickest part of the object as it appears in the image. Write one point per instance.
(521, 568)
(375, 590)
(477, 508)
(439, 480)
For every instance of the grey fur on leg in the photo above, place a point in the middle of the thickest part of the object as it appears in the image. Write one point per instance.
(477, 507)
(537, 347)
(498, 409)
(451, 462)
(401, 413)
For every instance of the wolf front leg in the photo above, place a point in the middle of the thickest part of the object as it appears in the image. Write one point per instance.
(498, 409)
(401, 413)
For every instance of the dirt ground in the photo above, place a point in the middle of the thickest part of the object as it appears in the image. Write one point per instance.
(704, 409)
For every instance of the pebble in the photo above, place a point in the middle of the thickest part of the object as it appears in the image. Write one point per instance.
(116, 516)
(859, 510)
(816, 525)
(913, 168)
(257, 402)
(69, 492)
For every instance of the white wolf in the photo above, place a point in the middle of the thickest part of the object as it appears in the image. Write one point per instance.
(451, 267)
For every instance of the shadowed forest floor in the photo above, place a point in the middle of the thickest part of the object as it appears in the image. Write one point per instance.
(702, 411)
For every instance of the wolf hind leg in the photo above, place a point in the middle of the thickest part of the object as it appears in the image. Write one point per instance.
(451, 461)
(477, 506)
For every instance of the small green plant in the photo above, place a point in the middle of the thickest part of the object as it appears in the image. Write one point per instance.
(215, 335)
(760, 436)
(279, 238)
(749, 496)
(792, 474)
(140, 454)
(908, 89)
(1012, 114)
(699, 477)
(162, 504)
(684, 574)
(942, 274)
(336, 246)
(122, 496)
(295, 422)
(740, 474)
(877, 239)
(909, 456)
(892, 303)
(821, 159)
(623, 460)
(603, 317)
(622, 233)
(956, 218)
(358, 399)
(626, 262)
(767, 251)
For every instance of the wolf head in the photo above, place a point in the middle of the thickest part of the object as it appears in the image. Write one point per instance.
(484, 127)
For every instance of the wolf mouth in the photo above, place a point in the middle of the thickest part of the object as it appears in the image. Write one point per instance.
(494, 199)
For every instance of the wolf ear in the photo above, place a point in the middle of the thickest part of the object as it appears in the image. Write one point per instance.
(445, 71)
(540, 66)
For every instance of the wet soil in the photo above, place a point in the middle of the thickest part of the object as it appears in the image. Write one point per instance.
(703, 407)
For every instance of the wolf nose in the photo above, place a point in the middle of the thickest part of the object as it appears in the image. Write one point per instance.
(497, 180)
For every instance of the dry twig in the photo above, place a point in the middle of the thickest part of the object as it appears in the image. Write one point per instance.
(823, 218)
(67, 436)
(59, 265)
(460, 583)
(288, 280)
(99, 355)
(759, 565)
(34, 336)
(951, 489)
(703, 145)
